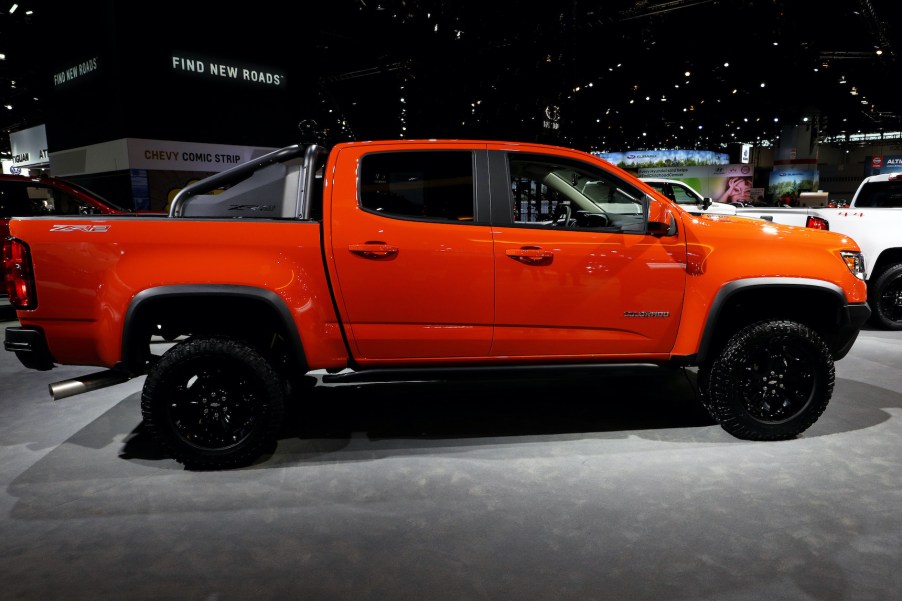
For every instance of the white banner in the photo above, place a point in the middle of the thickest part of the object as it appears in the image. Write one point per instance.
(29, 147)
(188, 156)
(153, 155)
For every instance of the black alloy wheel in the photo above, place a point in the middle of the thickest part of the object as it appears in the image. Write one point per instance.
(886, 298)
(772, 381)
(213, 403)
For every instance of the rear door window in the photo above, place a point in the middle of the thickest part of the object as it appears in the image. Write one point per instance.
(422, 185)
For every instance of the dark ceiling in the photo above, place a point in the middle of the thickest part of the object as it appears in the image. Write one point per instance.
(610, 75)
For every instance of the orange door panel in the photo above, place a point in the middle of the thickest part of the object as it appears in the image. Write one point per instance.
(578, 293)
(427, 291)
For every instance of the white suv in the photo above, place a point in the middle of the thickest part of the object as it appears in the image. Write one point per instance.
(683, 194)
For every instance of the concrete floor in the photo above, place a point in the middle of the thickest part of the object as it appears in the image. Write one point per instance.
(595, 488)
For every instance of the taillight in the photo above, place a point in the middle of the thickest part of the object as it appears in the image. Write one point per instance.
(18, 275)
(817, 223)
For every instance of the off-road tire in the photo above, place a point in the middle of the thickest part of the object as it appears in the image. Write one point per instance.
(885, 298)
(213, 403)
(771, 381)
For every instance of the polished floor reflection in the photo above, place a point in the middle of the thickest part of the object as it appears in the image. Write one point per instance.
(594, 487)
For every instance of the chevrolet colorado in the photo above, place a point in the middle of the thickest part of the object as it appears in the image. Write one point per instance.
(391, 260)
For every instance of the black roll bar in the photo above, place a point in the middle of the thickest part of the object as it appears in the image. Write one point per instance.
(239, 173)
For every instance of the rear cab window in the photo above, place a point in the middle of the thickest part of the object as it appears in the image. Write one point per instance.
(880, 194)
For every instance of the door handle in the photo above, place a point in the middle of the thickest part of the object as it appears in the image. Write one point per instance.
(531, 255)
(373, 250)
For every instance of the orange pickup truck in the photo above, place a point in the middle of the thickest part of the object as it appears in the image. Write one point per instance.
(392, 260)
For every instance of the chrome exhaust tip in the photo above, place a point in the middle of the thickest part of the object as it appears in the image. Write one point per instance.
(95, 381)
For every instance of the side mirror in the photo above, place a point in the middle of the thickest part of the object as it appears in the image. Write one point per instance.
(706, 202)
(660, 219)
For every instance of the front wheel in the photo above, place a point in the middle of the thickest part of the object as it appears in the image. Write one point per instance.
(213, 403)
(772, 381)
(886, 298)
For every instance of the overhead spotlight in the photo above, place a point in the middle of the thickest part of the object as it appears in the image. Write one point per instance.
(13, 8)
(842, 79)
(879, 52)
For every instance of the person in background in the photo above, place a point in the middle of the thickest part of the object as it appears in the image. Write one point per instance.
(737, 189)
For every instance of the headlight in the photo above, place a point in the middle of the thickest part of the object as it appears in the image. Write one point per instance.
(854, 261)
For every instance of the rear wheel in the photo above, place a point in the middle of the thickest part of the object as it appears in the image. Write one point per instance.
(213, 403)
(886, 298)
(772, 381)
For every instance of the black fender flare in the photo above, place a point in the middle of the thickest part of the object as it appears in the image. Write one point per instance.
(133, 358)
(730, 289)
